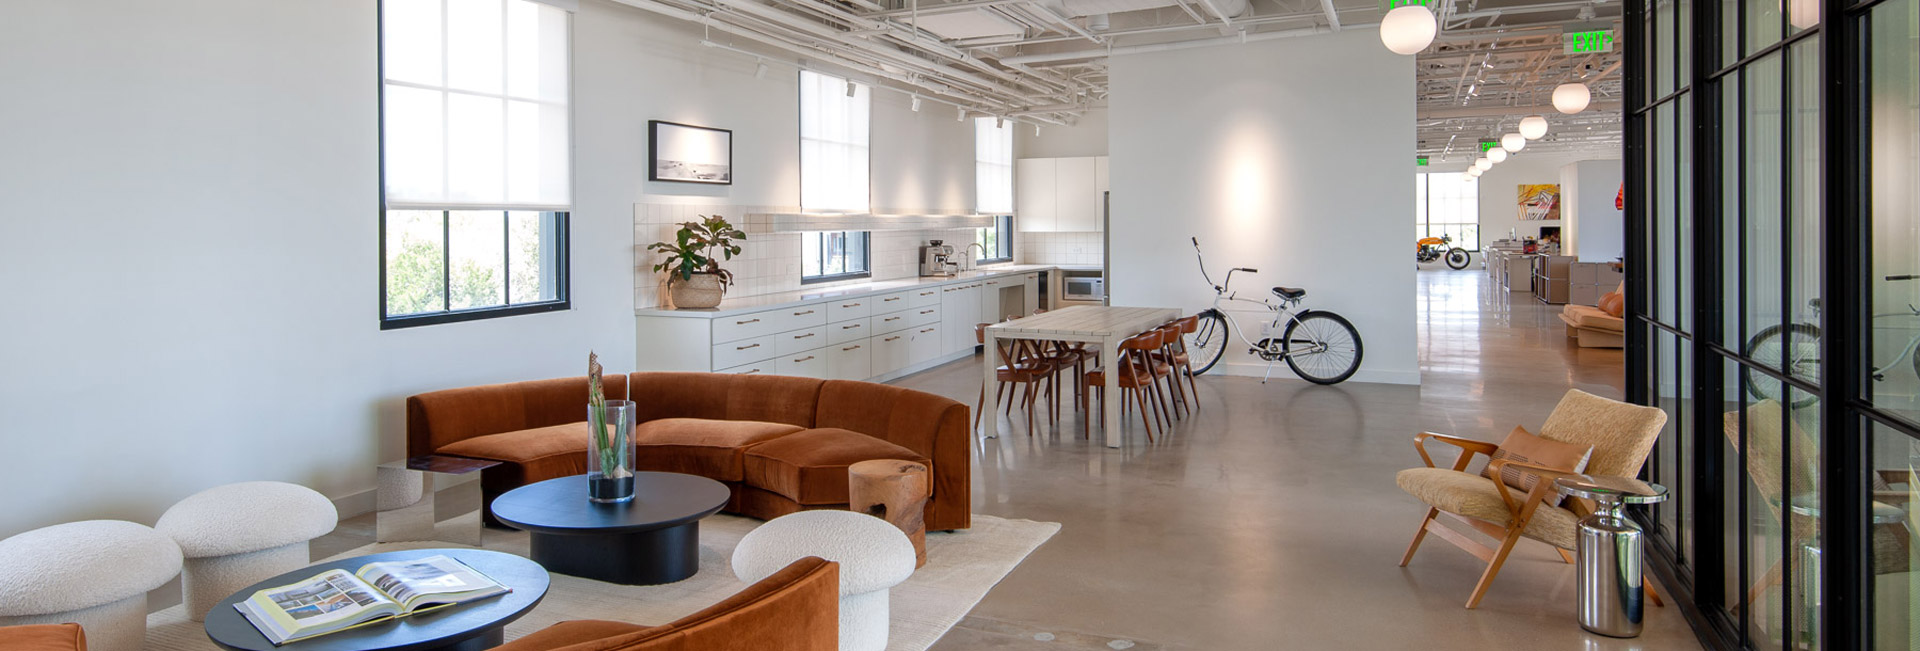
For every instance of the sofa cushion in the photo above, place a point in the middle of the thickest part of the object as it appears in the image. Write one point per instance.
(698, 446)
(1476, 497)
(1583, 316)
(43, 637)
(542, 452)
(724, 396)
(810, 467)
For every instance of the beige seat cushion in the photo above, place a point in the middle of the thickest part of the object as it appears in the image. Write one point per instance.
(1476, 497)
(1586, 316)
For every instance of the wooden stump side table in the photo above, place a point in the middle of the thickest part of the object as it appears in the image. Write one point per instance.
(895, 491)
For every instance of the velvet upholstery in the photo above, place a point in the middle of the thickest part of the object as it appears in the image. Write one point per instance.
(69, 637)
(709, 424)
(795, 609)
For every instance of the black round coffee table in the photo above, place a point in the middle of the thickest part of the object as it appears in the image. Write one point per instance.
(653, 539)
(470, 626)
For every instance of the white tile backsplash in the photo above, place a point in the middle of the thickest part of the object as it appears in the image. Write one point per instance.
(1058, 248)
(769, 263)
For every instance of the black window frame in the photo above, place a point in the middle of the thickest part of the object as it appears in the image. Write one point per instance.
(1004, 240)
(866, 259)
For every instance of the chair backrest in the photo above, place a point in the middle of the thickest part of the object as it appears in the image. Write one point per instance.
(1770, 436)
(797, 609)
(1621, 434)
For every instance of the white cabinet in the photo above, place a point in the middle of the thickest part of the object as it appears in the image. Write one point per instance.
(806, 363)
(1032, 283)
(892, 352)
(926, 344)
(1033, 194)
(1059, 194)
(959, 312)
(851, 360)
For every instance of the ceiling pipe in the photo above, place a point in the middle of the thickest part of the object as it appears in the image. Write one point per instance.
(1333, 17)
(1225, 20)
(1164, 47)
(1503, 111)
(942, 8)
(994, 42)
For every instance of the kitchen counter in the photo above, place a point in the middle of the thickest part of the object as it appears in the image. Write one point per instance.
(733, 306)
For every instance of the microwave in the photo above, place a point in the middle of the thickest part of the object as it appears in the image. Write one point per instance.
(1083, 288)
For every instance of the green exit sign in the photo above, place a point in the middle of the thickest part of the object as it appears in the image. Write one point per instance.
(1390, 5)
(1588, 42)
(1420, 161)
(1488, 144)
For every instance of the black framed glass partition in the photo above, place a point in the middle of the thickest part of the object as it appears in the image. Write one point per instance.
(1774, 294)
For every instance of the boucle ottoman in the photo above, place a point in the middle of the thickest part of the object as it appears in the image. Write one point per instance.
(873, 555)
(236, 535)
(94, 573)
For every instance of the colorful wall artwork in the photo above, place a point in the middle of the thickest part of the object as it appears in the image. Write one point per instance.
(1539, 202)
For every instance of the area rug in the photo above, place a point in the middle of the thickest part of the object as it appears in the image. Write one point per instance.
(961, 568)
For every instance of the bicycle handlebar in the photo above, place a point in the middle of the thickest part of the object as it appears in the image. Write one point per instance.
(1904, 277)
(1247, 269)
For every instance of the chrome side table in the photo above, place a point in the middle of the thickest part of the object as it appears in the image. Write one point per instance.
(1612, 597)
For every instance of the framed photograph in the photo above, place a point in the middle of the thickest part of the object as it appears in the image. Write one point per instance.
(683, 153)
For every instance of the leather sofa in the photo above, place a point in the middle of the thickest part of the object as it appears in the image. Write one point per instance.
(781, 444)
(795, 609)
(66, 637)
(1602, 326)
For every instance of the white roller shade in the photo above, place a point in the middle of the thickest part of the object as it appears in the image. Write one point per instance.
(992, 166)
(834, 131)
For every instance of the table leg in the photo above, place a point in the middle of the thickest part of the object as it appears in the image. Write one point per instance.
(487, 639)
(1110, 404)
(643, 558)
(990, 400)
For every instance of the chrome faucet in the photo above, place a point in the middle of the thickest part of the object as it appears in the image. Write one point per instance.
(973, 261)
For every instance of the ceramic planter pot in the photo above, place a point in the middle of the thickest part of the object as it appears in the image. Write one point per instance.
(702, 291)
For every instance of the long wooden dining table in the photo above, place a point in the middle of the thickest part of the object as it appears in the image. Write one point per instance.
(1100, 325)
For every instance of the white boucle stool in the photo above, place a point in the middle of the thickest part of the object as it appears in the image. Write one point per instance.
(236, 535)
(873, 555)
(94, 573)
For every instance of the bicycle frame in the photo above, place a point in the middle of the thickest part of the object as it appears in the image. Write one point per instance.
(1224, 296)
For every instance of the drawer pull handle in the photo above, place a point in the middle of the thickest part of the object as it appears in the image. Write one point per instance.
(849, 305)
(890, 338)
(803, 313)
(889, 299)
(748, 346)
(851, 348)
(750, 372)
(926, 311)
(926, 293)
(891, 318)
(805, 335)
(849, 327)
(746, 322)
(926, 331)
(803, 359)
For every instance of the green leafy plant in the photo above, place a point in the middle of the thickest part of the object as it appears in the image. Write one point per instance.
(610, 445)
(698, 247)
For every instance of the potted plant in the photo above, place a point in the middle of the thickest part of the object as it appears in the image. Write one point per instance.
(694, 276)
(609, 441)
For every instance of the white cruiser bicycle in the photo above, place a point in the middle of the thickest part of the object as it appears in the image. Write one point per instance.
(1320, 346)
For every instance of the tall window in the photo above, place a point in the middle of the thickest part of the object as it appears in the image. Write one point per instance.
(993, 187)
(476, 150)
(1447, 204)
(834, 132)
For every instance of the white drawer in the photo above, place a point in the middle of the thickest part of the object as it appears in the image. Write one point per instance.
(746, 351)
(743, 326)
(893, 321)
(805, 363)
(767, 367)
(891, 352)
(920, 316)
(841, 332)
(850, 308)
(798, 340)
(803, 316)
(852, 360)
(924, 296)
(926, 344)
(889, 302)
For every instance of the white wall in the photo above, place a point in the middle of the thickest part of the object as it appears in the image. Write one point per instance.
(1596, 231)
(1500, 187)
(189, 210)
(1088, 137)
(1295, 169)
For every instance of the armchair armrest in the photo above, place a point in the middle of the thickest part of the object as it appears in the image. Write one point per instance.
(1467, 448)
(1542, 487)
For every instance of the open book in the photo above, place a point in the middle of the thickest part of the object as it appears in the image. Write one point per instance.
(335, 600)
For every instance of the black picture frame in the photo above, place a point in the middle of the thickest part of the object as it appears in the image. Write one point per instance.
(683, 137)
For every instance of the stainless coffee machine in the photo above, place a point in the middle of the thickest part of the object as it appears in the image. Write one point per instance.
(936, 259)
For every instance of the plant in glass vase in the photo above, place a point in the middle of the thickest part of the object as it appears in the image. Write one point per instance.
(609, 441)
(694, 276)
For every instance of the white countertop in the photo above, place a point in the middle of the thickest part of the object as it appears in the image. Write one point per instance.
(732, 306)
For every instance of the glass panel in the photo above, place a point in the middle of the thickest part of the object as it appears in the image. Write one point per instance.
(1683, 208)
(1730, 142)
(410, 41)
(1663, 49)
(1803, 264)
(1894, 129)
(1802, 15)
(414, 133)
(476, 38)
(414, 261)
(1732, 483)
(476, 149)
(1895, 492)
(1671, 396)
(1763, 24)
(1763, 442)
(531, 255)
(1729, 31)
(1682, 44)
(1803, 511)
(1666, 170)
(1761, 209)
(478, 248)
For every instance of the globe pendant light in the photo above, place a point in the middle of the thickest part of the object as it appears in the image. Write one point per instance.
(1533, 127)
(1409, 29)
(1473, 172)
(1571, 98)
(1497, 154)
(1483, 163)
(1513, 142)
(1802, 14)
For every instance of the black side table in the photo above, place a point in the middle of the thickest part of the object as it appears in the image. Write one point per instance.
(653, 539)
(471, 626)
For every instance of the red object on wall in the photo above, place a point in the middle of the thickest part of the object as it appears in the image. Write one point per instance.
(1620, 200)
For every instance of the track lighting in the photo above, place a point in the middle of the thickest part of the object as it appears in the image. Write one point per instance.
(999, 122)
(851, 88)
(962, 117)
(1036, 131)
(760, 70)
(916, 103)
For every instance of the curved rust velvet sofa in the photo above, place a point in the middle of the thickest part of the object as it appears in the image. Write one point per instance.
(796, 609)
(781, 444)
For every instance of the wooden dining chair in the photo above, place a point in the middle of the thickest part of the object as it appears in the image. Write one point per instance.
(1017, 366)
(1135, 375)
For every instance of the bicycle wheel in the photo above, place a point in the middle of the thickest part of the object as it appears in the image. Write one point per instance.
(1458, 259)
(1322, 347)
(1794, 347)
(1207, 343)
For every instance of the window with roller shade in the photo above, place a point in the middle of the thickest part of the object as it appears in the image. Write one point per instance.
(834, 136)
(993, 187)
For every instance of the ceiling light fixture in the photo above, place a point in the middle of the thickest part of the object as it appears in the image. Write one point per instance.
(1533, 126)
(1571, 98)
(999, 122)
(1497, 154)
(1409, 29)
(916, 103)
(963, 114)
(760, 70)
(1803, 14)
(1483, 163)
(1036, 131)
(1513, 142)
(851, 88)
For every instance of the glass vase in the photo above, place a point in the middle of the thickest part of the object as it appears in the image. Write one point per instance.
(610, 452)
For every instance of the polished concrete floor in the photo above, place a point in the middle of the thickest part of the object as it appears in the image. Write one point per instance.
(1270, 519)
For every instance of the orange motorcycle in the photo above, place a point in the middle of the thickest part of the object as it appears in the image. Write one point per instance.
(1429, 249)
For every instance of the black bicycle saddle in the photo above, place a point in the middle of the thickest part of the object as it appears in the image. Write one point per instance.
(1289, 293)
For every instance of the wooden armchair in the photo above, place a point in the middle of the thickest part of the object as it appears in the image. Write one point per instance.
(1621, 436)
(795, 609)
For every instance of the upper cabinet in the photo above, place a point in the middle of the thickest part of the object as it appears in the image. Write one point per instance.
(1060, 194)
